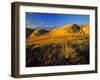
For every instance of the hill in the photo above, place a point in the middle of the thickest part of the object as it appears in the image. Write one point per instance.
(29, 31)
(70, 29)
(44, 36)
(38, 32)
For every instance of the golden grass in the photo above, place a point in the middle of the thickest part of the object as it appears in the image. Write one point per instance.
(67, 50)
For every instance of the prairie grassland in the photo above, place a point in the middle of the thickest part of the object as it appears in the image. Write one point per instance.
(53, 50)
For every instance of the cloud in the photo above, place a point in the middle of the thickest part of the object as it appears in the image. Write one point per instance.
(40, 25)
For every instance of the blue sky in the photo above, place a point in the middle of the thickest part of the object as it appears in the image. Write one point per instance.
(50, 20)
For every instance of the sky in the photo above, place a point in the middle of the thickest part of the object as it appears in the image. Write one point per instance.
(51, 20)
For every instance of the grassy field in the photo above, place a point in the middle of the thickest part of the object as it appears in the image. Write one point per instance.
(49, 50)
